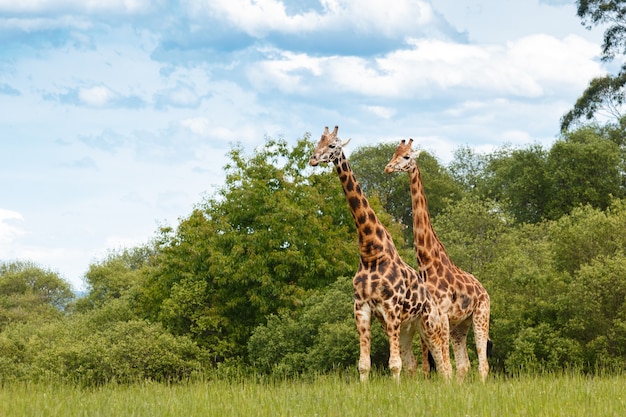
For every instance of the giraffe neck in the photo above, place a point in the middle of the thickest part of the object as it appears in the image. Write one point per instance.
(428, 249)
(375, 241)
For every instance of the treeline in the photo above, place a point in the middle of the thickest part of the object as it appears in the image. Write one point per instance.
(257, 278)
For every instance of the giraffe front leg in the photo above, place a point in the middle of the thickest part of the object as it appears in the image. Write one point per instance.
(406, 348)
(395, 360)
(362, 314)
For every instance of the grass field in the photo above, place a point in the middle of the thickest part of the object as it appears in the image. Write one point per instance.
(547, 395)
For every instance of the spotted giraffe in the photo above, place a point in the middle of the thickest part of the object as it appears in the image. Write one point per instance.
(384, 285)
(460, 296)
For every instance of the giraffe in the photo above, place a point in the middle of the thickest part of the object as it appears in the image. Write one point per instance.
(459, 294)
(384, 285)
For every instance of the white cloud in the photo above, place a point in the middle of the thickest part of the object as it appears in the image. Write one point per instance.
(528, 67)
(380, 111)
(257, 18)
(89, 6)
(8, 231)
(96, 96)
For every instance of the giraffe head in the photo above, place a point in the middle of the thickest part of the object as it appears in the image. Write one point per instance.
(403, 159)
(328, 149)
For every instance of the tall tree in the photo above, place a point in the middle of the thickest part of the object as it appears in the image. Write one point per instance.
(584, 169)
(604, 97)
(29, 292)
(256, 248)
(519, 181)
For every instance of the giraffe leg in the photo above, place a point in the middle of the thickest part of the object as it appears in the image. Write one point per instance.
(363, 317)
(406, 348)
(425, 361)
(481, 335)
(437, 336)
(458, 336)
(395, 360)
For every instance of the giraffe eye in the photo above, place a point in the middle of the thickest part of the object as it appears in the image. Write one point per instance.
(332, 146)
(406, 157)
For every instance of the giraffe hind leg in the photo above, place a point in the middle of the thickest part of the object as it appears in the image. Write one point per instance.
(483, 344)
(458, 336)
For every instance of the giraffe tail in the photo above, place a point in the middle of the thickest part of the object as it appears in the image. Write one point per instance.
(489, 348)
(431, 362)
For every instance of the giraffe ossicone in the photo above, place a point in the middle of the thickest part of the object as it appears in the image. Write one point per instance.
(384, 285)
(460, 296)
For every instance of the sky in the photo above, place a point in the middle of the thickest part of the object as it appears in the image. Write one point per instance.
(116, 116)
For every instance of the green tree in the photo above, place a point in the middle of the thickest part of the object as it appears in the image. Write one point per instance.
(595, 308)
(468, 168)
(584, 169)
(519, 180)
(319, 337)
(273, 233)
(605, 95)
(29, 292)
(115, 276)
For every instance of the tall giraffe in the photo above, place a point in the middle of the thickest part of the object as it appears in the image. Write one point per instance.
(384, 285)
(459, 294)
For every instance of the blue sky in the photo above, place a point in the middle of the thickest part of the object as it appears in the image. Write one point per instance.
(116, 115)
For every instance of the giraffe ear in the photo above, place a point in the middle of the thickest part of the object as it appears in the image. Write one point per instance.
(346, 142)
(416, 154)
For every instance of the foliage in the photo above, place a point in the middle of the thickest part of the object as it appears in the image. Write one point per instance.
(257, 275)
(585, 169)
(532, 184)
(605, 95)
(114, 276)
(520, 180)
(276, 231)
(29, 292)
(320, 337)
(102, 346)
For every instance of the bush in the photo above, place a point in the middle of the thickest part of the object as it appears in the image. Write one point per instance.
(121, 351)
(320, 337)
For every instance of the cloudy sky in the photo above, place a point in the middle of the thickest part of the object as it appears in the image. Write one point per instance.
(116, 115)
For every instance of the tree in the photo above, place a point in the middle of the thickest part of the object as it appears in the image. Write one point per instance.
(468, 168)
(518, 179)
(115, 276)
(605, 95)
(29, 292)
(584, 169)
(276, 231)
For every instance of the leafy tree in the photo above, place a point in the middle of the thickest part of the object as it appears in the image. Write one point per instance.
(604, 95)
(588, 233)
(595, 307)
(29, 292)
(596, 12)
(471, 231)
(520, 181)
(274, 232)
(584, 169)
(319, 337)
(468, 168)
(115, 276)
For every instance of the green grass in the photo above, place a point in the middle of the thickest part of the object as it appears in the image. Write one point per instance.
(548, 395)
